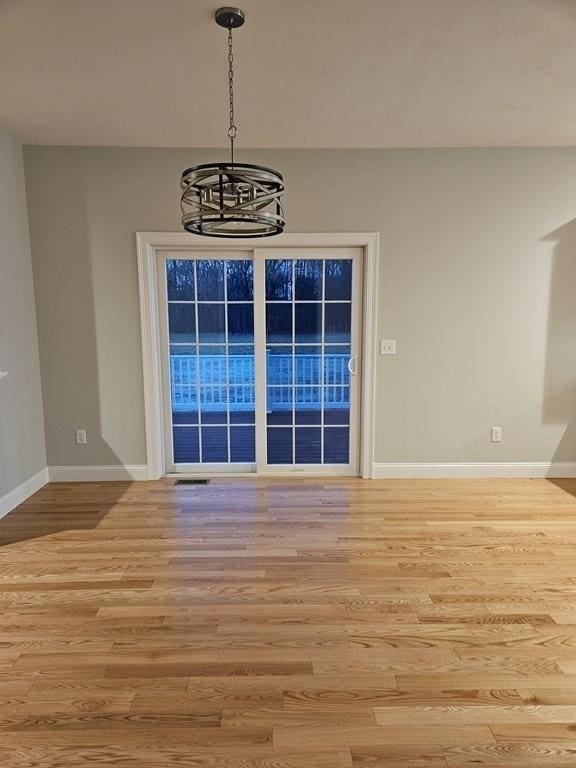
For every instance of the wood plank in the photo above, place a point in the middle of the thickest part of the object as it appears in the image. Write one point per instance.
(547, 732)
(476, 715)
(381, 735)
(398, 757)
(172, 757)
(534, 754)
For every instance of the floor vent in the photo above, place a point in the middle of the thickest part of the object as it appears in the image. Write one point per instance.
(192, 482)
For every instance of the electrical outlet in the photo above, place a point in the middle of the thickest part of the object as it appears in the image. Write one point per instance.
(387, 346)
(81, 437)
(496, 434)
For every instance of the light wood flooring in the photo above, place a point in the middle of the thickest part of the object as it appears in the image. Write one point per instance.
(290, 624)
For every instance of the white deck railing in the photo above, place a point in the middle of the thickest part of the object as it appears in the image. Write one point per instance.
(206, 377)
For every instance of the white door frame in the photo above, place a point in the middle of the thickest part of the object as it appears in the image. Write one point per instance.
(149, 243)
(169, 466)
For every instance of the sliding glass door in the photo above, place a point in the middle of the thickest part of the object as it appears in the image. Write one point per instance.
(261, 360)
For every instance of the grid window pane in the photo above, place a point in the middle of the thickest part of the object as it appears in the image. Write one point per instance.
(309, 398)
(189, 416)
(213, 397)
(336, 373)
(243, 444)
(308, 366)
(214, 444)
(210, 277)
(338, 349)
(211, 323)
(212, 369)
(279, 366)
(338, 279)
(337, 323)
(186, 445)
(238, 350)
(241, 323)
(308, 278)
(279, 323)
(241, 416)
(240, 277)
(336, 445)
(178, 350)
(280, 445)
(182, 323)
(241, 390)
(279, 404)
(336, 389)
(279, 279)
(183, 388)
(180, 281)
(306, 416)
(340, 415)
(308, 321)
(211, 350)
(208, 415)
(308, 445)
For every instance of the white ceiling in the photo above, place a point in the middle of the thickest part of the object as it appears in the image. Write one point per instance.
(310, 73)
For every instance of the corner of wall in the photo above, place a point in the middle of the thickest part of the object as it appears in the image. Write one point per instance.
(23, 462)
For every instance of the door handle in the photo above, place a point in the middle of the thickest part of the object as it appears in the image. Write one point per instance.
(352, 369)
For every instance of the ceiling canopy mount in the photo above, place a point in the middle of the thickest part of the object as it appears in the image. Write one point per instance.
(229, 17)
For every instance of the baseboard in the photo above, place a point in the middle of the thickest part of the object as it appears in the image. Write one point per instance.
(389, 470)
(476, 469)
(18, 495)
(79, 474)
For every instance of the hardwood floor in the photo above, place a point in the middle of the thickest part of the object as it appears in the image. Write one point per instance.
(290, 624)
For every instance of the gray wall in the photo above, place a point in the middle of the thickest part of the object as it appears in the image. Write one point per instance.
(477, 283)
(22, 450)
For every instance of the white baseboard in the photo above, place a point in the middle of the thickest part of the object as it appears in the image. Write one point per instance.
(11, 500)
(79, 474)
(476, 469)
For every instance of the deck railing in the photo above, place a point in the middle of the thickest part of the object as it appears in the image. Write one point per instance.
(219, 379)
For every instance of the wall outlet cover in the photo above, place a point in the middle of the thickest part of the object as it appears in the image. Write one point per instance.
(496, 434)
(81, 437)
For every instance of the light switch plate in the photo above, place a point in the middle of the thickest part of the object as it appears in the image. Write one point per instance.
(387, 346)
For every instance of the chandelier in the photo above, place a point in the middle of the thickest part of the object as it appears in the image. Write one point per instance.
(232, 199)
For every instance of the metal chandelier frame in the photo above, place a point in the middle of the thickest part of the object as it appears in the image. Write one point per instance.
(232, 199)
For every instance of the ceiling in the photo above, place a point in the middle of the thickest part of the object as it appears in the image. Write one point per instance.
(310, 73)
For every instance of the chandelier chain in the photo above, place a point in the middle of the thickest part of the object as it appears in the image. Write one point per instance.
(232, 130)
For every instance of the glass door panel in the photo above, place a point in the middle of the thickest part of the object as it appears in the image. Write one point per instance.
(210, 315)
(309, 350)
